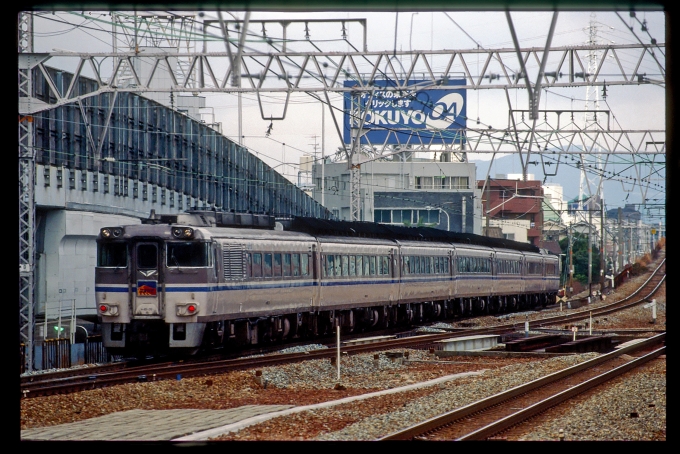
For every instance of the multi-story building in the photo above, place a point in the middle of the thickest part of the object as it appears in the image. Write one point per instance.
(404, 191)
(511, 201)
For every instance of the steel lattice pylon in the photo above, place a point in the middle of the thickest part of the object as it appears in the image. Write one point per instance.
(26, 200)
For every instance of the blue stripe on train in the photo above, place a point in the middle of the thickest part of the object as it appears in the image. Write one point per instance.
(289, 284)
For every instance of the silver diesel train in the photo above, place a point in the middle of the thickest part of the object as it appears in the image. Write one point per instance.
(201, 280)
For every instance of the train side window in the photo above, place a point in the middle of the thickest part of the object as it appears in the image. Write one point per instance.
(286, 265)
(249, 265)
(384, 264)
(352, 265)
(304, 264)
(416, 260)
(337, 268)
(429, 266)
(372, 265)
(405, 267)
(437, 265)
(295, 264)
(267, 265)
(257, 265)
(360, 265)
(345, 265)
(276, 267)
(330, 267)
(367, 268)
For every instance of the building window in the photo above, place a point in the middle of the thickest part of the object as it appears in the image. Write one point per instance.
(441, 182)
(405, 216)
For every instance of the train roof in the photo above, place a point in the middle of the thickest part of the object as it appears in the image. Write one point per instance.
(316, 226)
(327, 227)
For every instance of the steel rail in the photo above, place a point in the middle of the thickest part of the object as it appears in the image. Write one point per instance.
(432, 424)
(539, 407)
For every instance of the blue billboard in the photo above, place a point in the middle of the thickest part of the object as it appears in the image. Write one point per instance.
(407, 115)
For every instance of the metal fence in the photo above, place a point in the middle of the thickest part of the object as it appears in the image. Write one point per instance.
(61, 353)
(95, 352)
(56, 354)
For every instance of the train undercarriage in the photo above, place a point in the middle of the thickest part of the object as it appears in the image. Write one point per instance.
(156, 338)
(310, 325)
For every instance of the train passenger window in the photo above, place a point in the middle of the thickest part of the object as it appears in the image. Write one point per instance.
(147, 256)
(405, 267)
(385, 268)
(256, 267)
(352, 265)
(367, 269)
(429, 268)
(372, 266)
(330, 267)
(295, 264)
(446, 265)
(416, 261)
(345, 265)
(188, 253)
(276, 267)
(360, 265)
(304, 264)
(112, 254)
(437, 265)
(338, 267)
(267, 265)
(286, 265)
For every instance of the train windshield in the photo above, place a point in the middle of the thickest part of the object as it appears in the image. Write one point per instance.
(187, 254)
(112, 255)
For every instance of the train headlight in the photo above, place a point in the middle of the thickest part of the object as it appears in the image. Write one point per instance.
(182, 232)
(110, 310)
(187, 309)
(111, 232)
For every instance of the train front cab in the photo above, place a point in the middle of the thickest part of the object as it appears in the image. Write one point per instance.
(133, 277)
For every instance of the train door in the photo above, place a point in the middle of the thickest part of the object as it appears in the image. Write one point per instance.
(316, 273)
(147, 298)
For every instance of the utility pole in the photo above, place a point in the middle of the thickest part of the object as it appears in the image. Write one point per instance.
(621, 244)
(602, 246)
(571, 262)
(464, 217)
(488, 204)
(590, 251)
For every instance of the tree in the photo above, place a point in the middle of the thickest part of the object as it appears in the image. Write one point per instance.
(579, 248)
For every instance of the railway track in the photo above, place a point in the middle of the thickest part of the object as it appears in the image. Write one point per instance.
(487, 418)
(74, 380)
